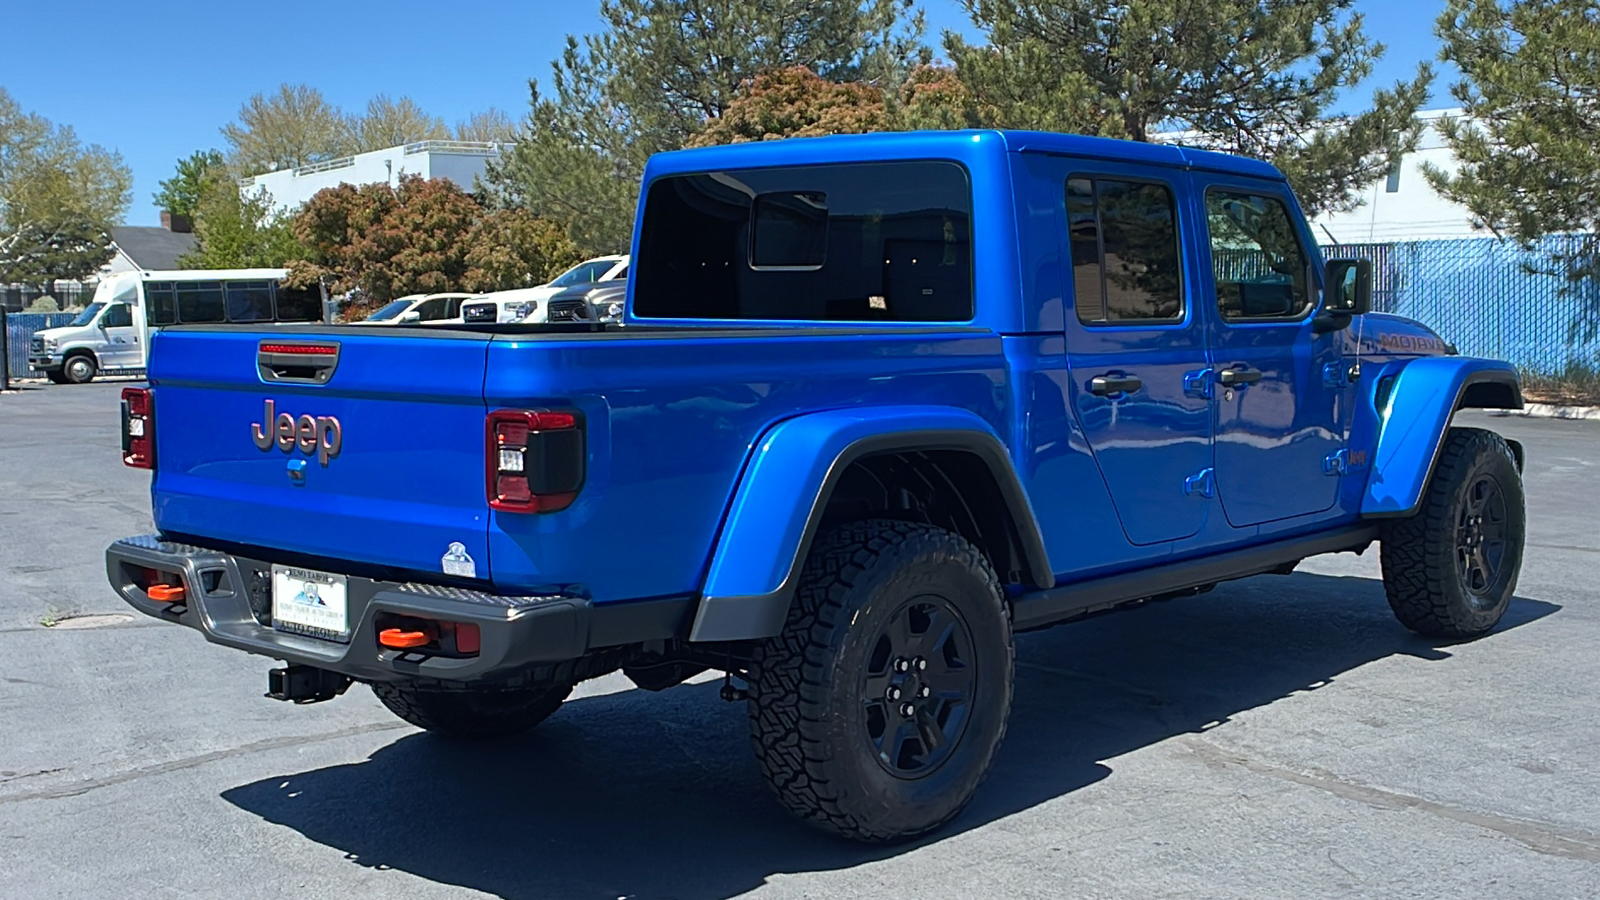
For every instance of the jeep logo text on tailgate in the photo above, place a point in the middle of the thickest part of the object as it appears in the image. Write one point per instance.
(316, 435)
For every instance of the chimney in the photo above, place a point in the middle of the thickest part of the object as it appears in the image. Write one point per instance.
(174, 223)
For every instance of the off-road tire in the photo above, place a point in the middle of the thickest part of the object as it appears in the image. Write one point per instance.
(79, 369)
(1424, 555)
(472, 714)
(811, 687)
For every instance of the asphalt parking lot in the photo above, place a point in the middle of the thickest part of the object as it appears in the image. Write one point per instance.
(1279, 737)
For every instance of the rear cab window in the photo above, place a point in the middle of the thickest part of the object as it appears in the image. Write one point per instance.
(847, 242)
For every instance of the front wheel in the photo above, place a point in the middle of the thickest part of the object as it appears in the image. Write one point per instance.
(79, 369)
(472, 714)
(1450, 569)
(878, 711)
(56, 376)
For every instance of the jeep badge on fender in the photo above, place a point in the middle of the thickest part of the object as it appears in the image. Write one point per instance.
(319, 436)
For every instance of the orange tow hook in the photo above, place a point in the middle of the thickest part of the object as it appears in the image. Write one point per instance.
(404, 639)
(165, 593)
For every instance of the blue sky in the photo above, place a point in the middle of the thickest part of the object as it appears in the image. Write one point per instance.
(156, 81)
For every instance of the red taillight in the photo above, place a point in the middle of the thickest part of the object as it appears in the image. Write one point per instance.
(535, 460)
(138, 428)
(301, 349)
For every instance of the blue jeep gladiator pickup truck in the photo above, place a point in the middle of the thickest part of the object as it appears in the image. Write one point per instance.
(876, 403)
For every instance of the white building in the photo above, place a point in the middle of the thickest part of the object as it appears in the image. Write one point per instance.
(1404, 207)
(462, 162)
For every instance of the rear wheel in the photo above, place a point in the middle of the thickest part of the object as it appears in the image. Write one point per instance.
(1450, 569)
(79, 369)
(472, 713)
(878, 711)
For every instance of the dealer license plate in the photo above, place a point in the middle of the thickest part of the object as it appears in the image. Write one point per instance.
(309, 602)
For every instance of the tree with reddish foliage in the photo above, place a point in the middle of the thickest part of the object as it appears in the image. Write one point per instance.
(422, 236)
(796, 102)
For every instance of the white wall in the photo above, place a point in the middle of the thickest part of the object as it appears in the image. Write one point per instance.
(1412, 211)
(460, 161)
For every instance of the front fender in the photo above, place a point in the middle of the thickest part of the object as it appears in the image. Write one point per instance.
(1413, 419)
(780, 500)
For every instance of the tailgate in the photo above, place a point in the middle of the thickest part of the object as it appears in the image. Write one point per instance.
(385, 462)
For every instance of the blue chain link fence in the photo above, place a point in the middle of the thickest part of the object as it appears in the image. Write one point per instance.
(1480, 295)
(19, 328)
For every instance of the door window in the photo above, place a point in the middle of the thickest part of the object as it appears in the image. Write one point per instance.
(1260, 267)
(433, 310)
(1125, 261)
(118, 315)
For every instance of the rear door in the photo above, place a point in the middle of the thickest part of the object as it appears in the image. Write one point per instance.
(1137, 348)
(1279, 384)
(374, 454)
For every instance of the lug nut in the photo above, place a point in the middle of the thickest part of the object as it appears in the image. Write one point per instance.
(925, 692)
(921, 664)
(907, 710)
(902, 665)
(893, 693)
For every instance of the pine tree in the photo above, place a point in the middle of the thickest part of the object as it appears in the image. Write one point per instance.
(1241, 76)
(658, 72)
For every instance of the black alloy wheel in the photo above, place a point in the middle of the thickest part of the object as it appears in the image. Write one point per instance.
(919, 686)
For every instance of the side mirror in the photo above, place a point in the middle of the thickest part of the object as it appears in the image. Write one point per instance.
(1348, 283)
(408, 318)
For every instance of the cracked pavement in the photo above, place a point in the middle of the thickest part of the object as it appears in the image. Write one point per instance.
(1278, 737)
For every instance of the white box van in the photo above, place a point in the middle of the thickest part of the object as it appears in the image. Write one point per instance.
(112, 336)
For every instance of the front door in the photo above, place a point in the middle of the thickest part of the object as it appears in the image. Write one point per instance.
(1278, 384)
(1134, 342)
(121, 349)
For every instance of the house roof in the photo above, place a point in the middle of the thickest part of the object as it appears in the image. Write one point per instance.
(152, 247)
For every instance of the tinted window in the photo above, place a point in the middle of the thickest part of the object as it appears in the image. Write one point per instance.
(583, 273)
(1261, 269)
(161, 303)
(854, 242)
(200, 301)
(299, 304)
(118, 315)
(1125, 261)
(249, 301)
(435, 309)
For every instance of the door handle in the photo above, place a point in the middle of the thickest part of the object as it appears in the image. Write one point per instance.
(1239, 375)
(1101, 385)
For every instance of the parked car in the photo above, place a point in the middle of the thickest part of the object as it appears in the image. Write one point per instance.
(413, 309)
(598, 302)
(593, 271)
(892, 398)
(499, 306)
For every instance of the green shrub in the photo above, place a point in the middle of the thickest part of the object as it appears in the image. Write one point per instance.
(44, 304)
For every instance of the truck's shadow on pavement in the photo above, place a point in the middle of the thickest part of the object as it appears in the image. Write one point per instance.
(642, 795)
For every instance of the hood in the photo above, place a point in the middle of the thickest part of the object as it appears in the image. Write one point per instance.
(1387, 334)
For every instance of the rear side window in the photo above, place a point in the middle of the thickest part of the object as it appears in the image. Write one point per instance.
(1260, 267)
(836, 243)
(1125, 261)
(161, 303)
(200, 301)
(249, 301)
(299, 304)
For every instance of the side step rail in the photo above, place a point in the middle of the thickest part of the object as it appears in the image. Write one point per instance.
(1072, 601)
